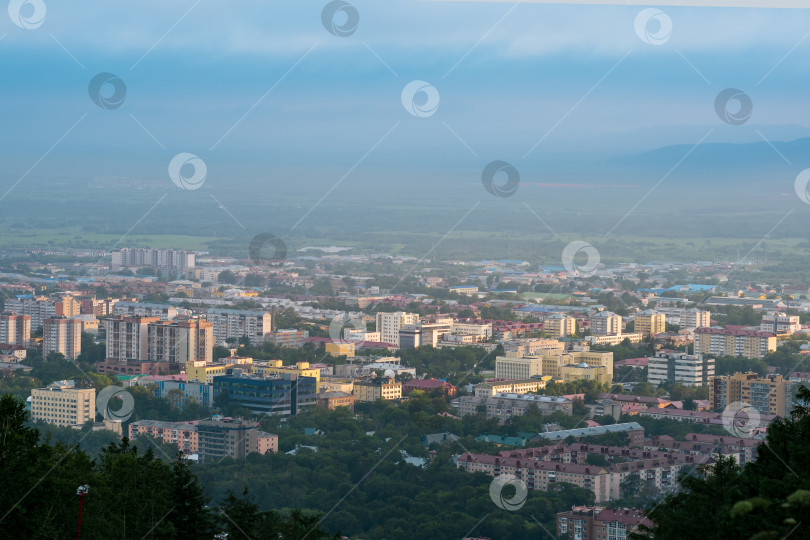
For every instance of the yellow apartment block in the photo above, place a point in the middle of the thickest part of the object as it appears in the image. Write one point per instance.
(647, 322)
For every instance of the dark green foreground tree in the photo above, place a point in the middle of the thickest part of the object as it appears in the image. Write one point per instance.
(766, 499)
(132, 494)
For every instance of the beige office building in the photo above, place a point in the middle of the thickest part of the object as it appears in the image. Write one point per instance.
(62, 404)
(558, 365)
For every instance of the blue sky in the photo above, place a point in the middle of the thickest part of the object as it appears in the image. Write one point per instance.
(520, 80)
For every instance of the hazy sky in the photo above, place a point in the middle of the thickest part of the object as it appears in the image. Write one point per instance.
(507, 77)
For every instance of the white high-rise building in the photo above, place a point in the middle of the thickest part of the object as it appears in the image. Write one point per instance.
(127, 338)
(235, 323)
(169, 259)
(15, 329)
(779, 323)
(686, 369)
(606, 323)
(686, 318)
(389, 325)
(62, 335)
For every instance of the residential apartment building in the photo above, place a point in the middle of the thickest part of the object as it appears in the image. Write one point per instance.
(734, 342)
(676, 367)
(284, 394)
(62, 335)
(504, 406)
(686, 318)
(15, 329)
(182, 434)
(38, 308)
(148, 309)
(168, 259)
(649, 323)
(389, 325)
(769, 395)
(780, 324)
(372, 389)
(599, 523)
(127, 338)
(63, 404)
(235, 438)
(235, 324)
(559, 325)
(605, 323)
(541, 467)
(179, 342)
(333, 399)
